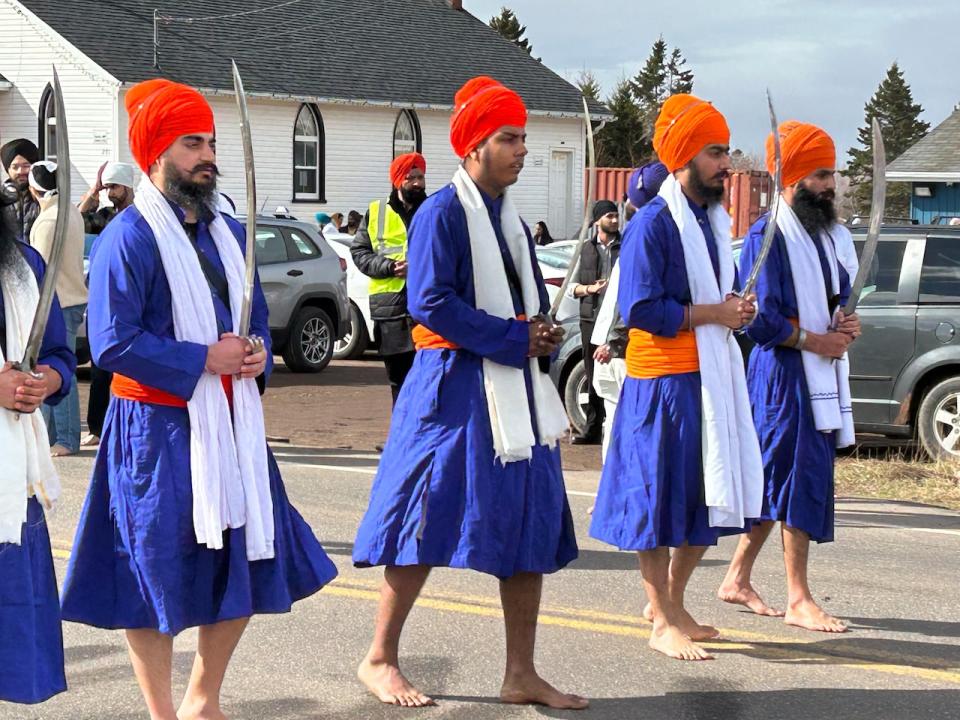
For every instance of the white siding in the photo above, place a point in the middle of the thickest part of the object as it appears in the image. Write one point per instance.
(28, 50)
(359, 148)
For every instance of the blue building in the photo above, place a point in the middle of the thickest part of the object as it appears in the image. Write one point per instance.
(932, 167)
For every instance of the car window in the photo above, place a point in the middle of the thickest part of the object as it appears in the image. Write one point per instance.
(554, 260)
(882, 284)
(301, 247)
(940, 277)
(271, 247)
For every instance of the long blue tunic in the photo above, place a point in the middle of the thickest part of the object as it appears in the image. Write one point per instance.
(31, 643)
(136, 561)
(651, 489)
(440, 496)
(797, 458)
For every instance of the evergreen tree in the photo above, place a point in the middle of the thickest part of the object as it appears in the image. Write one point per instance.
(588, 84)
(621, 142)
(664, 74)
(899, 117)
(508, 25)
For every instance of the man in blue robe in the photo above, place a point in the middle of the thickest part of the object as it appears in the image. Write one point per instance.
(31, 642)
(144, 559)
(470, 476)
(799, 430)
(680, 471)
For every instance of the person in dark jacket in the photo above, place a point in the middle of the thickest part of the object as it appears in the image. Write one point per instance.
(379, 251)
(18, 208)
(597, 259)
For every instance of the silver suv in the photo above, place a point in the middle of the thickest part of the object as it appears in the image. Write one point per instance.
(306, 290)
(305, 284)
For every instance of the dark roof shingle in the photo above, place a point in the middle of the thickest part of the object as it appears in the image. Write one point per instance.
(403, 52)
(938, 152)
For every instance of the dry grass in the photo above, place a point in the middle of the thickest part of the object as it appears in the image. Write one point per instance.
(899, 475)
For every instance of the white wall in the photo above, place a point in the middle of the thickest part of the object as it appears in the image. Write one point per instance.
(28, 50)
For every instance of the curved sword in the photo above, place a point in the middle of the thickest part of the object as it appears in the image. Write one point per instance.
(40, 319)
(771, 229)
(585, 228)
(877, 208)
(250, 253)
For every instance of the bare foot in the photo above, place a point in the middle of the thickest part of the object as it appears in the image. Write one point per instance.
(198, 711)
(672, 642)
(531, 689)
(61, 451)
(745, 595)
(810, 616)
(389, 685)
(694, 630)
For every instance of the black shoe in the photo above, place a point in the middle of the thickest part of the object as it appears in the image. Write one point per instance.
(378, 447)
(585, 440)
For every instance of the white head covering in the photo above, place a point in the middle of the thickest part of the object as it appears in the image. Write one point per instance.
(39, 179)
(118, 173)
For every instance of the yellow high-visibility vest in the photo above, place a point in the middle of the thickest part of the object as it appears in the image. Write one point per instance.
(388, 238)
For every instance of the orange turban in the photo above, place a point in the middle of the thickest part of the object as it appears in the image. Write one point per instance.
(480, 108)
(804, 148)
(160, 111)
(686, 125)
(401, 167)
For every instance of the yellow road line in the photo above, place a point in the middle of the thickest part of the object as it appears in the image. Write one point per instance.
(763, 646)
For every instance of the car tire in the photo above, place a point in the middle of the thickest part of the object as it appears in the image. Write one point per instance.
(309, 348)
(575, 397)
(355, 342)
(938, 421)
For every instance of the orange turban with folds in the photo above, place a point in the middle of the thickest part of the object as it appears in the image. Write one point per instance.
(480, 108)
(401, 167)
(685, 126)
(160, 111)
(804, 148)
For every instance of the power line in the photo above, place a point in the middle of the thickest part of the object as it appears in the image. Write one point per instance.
(209, 18)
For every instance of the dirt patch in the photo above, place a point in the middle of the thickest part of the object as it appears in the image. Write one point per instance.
(900, 478)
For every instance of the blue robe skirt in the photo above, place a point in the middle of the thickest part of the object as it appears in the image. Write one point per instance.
(651, 490)
(136, 562)
(441, 498)
(31, 643)
(797, 458)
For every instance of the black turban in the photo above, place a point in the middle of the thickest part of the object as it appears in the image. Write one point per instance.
(602, 207)
(20, 146)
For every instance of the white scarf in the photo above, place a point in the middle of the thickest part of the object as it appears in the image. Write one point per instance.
(505, 387)
(27, 467)
(732, 465)
(228, 456)
(828, 380)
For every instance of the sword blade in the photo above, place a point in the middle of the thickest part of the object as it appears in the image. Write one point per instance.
(246, 307)
(584, 230)
(770, 231)
(40, 319)
(877, 208)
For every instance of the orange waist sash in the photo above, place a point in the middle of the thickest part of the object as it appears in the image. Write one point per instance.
(426, 339)
(652, 356)
(127, 388)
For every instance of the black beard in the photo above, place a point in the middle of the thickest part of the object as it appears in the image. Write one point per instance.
(701, 189)
(815, 211)
(413, 198)
(186, 193)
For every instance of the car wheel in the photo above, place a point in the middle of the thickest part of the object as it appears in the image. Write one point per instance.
(355, 342)
(576, 398)
(310, 346)
(938, 422)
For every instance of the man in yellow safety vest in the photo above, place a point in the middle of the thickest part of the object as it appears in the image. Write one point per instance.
(379, 251)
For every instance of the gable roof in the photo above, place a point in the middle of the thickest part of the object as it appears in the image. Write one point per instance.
(935, 157)
(397, 52)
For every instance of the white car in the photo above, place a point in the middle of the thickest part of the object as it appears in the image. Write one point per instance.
(360, 336)
(554, 259)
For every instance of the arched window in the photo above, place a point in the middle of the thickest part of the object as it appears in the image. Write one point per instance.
(406, 133)
(308, 155)
(47, 126)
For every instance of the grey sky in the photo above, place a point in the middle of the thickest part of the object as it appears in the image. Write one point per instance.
(822, 59)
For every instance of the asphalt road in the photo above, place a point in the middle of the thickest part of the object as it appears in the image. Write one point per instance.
(893, 574)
